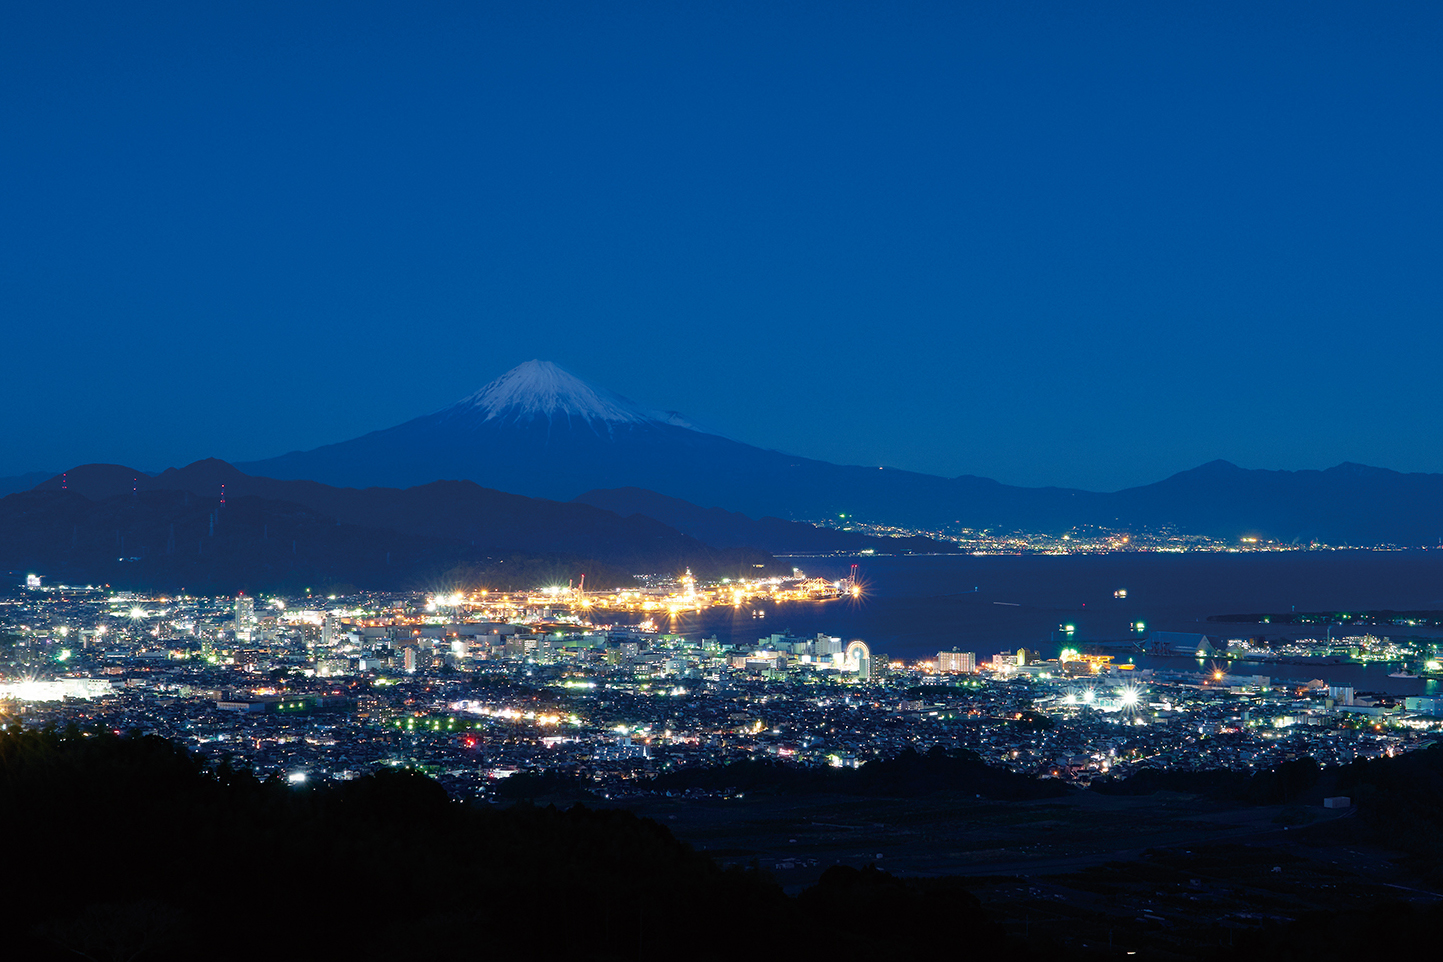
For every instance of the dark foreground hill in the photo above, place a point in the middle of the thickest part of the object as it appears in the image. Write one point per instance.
(132, 849)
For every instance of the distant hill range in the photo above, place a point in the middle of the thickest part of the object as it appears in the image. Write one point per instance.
(116, 524)
(22, 482)
(731, 529)
(540, 431)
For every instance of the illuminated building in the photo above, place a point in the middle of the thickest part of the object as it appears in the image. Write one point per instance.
(245, 617)
(957, 661)
(35, 690)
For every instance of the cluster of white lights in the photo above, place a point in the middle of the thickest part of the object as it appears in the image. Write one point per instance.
(33, 689)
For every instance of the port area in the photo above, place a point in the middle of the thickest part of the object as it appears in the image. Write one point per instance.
(1166, 872)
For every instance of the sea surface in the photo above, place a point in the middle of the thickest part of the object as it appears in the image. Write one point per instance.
(914, 606)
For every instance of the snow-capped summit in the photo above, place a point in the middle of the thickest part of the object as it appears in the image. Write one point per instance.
(541, 389)
(545, 391)
(537, 428)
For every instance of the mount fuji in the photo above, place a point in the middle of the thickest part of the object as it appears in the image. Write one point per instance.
(542, 432)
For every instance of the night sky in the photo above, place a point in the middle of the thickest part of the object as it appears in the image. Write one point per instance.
(1078, 244)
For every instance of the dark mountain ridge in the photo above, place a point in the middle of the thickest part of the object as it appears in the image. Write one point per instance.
(491, 519)
(115, 524)
(459, 510)
(726, 529)
(1346, 504)
(22, 482)
(542, 432)
(173, 540)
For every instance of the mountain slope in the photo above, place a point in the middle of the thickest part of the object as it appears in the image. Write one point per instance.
(459, 510)
(542, 432)
(457, 521)
(22, 482)
(722, 528)
(1347, 504)
(173, 540)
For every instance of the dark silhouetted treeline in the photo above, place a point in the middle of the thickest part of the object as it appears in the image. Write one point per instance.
(908, 775)
(1401, 801)
(1383, 930)
(1274, 786)
(129, 848)
(546, 784)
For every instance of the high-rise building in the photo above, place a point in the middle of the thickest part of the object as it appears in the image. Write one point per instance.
(245, 617)
(954, 660)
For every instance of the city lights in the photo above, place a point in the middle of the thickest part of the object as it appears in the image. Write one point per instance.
(595, 682)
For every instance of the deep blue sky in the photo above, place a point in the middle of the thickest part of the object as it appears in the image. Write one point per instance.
(1077, 244)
